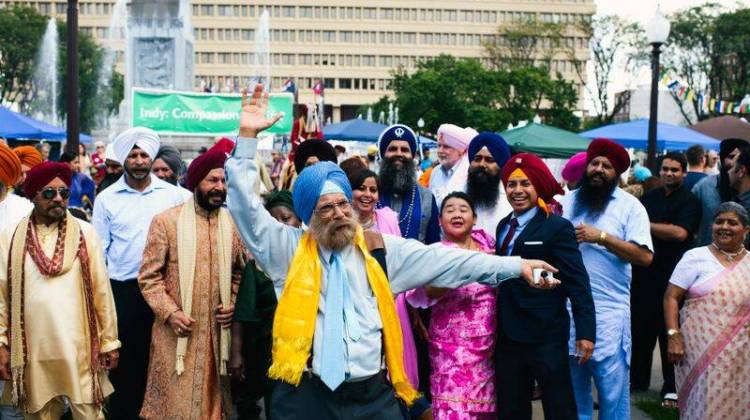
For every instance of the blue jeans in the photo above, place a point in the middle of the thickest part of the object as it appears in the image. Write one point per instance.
(612, 380)
(8, 412)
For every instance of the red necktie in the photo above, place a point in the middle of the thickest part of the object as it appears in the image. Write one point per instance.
(509, 236)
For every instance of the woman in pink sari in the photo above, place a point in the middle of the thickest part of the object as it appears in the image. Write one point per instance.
(462, 326)
(708, 338)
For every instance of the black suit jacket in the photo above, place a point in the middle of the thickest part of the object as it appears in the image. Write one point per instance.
(530, 315)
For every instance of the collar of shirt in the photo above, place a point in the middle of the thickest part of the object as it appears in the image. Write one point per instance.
(448, 172)
(156, 184)
(525, 217)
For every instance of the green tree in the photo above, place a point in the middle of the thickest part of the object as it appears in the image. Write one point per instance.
(526, 44)
(615, 44)
(21, 29)
(690, 50)
(563, 98)
(21, 32)
(730, 72)
(463, 92)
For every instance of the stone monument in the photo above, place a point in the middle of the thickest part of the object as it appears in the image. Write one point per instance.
(159, 45)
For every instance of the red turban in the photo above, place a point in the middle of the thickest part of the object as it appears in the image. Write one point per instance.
(538, 173)
(10, 166)
(40, 175)
(616, 154)
(200, 167)
(224, 144)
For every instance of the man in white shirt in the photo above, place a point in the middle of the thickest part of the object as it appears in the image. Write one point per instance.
(13, 208)
(450, 175)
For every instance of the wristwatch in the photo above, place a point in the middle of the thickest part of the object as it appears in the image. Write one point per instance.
(672, 332)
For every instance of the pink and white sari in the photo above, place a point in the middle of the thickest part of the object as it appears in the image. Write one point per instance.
(714, 378)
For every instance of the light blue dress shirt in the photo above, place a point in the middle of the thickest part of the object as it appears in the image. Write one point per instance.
(610, 275)
(122, 217)
(440, 176)
(523, 220)
(410, 263)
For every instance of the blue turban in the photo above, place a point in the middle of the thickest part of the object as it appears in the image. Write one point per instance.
(309, 185)
(641, 173)
(397, 132)
(495, 144)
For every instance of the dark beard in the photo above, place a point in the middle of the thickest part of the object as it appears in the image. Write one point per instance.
(593, 200)
(395, 180)
(483, 188)
(202, 200)
(334, 235)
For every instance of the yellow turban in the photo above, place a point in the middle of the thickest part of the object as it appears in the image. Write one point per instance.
(10, 166)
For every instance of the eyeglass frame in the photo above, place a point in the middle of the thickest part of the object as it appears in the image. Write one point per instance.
(327, 210)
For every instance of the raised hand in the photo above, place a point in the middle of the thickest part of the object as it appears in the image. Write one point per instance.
(253, 116)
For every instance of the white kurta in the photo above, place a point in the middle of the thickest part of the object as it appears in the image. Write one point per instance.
(12, 209)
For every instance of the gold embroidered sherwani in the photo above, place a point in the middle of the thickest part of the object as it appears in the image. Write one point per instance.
(57, 341)
(199, 393)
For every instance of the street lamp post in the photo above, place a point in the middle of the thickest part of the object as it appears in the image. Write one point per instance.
(71, 82)
(657, 32)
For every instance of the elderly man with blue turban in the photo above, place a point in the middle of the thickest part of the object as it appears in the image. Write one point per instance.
(336, 316)
(416, 206)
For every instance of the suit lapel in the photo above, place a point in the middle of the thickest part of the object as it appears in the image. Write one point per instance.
(535, 223)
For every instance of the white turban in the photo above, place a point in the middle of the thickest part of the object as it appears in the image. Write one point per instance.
(455, 136)
(145, 138)
(109, 153)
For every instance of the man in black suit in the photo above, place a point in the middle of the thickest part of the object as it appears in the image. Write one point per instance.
(534, 325)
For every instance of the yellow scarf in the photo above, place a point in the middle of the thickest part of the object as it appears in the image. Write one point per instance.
(186, 258)
(294, 322)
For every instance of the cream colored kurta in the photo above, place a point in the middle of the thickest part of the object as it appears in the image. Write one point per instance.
(56, 327)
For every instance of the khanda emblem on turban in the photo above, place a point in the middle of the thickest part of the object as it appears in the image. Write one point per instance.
(519, 161)
(399, 132)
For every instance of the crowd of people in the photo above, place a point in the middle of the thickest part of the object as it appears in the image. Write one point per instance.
(376, 286)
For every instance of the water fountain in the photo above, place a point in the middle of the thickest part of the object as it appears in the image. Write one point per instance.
(117, 33)
(262, 55)
(46, 75)
(369, 114)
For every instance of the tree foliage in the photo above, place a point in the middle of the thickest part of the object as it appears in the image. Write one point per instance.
(526, 44)
(463, 92)
(615, 44)
(21, 32)
(709, 51)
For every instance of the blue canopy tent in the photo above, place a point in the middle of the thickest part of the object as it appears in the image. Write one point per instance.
(634, 134)
(362, 130)
(14, 125)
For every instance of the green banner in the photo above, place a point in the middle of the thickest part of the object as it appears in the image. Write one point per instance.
(188, 113)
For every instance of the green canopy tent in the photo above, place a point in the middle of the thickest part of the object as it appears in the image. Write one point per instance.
(545, 141)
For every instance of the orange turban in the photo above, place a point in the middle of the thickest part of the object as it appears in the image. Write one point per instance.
(28, 155)
(10, 166)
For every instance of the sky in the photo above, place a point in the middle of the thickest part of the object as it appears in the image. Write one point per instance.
(642, 11)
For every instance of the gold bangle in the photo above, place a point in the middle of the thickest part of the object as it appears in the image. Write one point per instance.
(602, 237)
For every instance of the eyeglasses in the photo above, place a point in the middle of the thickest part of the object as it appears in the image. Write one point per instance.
(328, 209)
(51, 193)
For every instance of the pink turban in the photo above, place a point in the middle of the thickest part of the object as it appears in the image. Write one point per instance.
(455, 136)
(575, 167)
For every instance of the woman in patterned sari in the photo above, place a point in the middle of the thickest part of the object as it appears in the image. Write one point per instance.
(710, 349)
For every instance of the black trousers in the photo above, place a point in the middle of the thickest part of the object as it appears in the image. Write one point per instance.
(518, 365)
(256, 351)
(134, 322)
(371, 399)
(647, 325)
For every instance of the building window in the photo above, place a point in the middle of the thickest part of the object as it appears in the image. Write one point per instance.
(305, 11)
(345, 83)
(329, 36)
(288, 11)
(329, 83)
(345, 36)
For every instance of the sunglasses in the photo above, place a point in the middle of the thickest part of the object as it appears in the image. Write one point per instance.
(51, 193)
